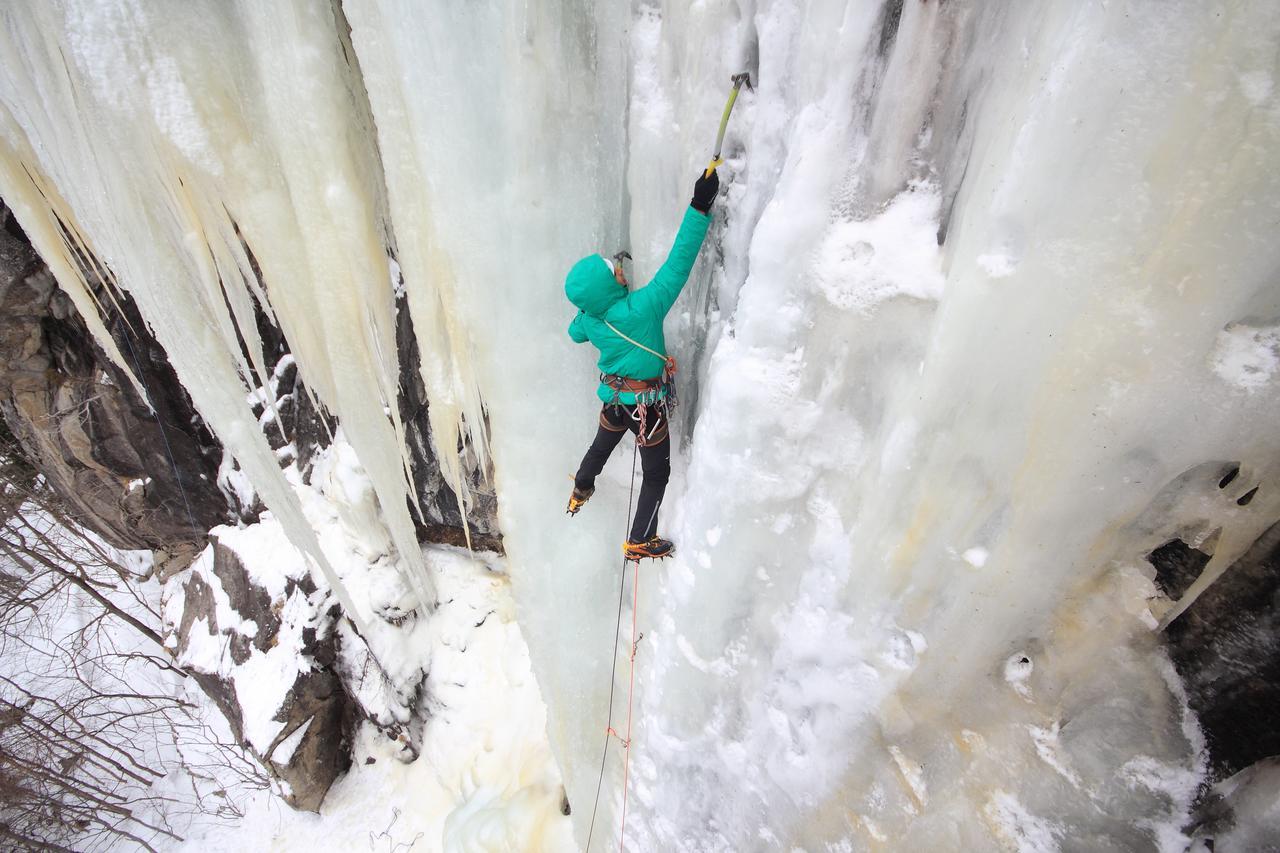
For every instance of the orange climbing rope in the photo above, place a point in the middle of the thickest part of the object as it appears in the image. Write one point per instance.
(631, 692)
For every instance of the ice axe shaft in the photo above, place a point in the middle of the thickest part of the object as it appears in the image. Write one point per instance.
(738, 81)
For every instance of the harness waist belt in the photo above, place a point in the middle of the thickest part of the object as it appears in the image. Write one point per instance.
(624, 383)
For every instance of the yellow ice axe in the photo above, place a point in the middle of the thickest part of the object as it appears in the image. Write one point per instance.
(738, 81)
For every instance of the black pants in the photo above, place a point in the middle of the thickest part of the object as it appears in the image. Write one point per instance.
(649, 423)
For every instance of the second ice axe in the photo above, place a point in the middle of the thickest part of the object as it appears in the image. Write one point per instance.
(738, 81)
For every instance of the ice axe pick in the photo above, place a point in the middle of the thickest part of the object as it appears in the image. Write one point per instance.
(738, 81)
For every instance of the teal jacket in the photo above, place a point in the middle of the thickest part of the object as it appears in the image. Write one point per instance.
(638, 314)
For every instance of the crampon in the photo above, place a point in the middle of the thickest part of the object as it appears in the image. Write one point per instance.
(655, 547)
(578, 498)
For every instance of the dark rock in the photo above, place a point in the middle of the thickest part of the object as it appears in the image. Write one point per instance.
(1177, 566)
(247, 598)
(174, 557)
(138, 478)
(318, 702)
(1226, 647)
(443, 522)
(394, 706)
(313, 429)
(317, 698)
(145, 479)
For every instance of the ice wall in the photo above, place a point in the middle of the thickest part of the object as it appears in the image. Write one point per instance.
(482, 145)
(984, 269)
(518, 115)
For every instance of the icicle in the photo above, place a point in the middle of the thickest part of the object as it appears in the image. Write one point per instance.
(40, 211)
(431, 284)
(160, 181)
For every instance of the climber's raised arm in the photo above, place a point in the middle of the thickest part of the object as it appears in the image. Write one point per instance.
(660, 294)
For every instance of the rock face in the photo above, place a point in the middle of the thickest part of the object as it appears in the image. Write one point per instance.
(1226, 647)
(300, 730)
(1177, 566)
(443, 522)
(140, 479)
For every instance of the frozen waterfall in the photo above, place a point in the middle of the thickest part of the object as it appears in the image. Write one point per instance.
(989, 305)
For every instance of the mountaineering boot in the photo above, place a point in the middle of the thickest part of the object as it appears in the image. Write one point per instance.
(655, 547)
(578, 498)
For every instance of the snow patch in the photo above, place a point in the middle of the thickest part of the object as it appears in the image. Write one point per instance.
(1017, 670)
(1018, 826)
(998, 264)
(235, 483)
(1046, 741)
(862, 263)
(1246, 357)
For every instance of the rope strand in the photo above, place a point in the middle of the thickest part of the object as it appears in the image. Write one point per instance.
(608, 731)
(164, 436)
(633, 342)
(631, 692)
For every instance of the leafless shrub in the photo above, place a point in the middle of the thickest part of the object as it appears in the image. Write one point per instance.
(94, 714)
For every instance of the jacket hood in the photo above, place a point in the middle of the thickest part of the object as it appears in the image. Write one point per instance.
(590, 285)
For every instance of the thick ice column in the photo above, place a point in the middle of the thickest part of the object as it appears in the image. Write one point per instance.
(751, 698)
(396, 76)
(501, 128)
(324, 257)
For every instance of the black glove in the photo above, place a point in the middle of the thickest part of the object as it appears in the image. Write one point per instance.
(704, 191)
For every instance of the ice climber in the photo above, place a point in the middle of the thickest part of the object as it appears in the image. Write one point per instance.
(636, 374)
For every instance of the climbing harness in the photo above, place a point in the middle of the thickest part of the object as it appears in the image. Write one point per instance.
(609, 731)
(647, 391)
(738, 81)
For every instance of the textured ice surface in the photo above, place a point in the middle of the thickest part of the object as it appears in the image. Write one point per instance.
(1247, 357)
(983, 460)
